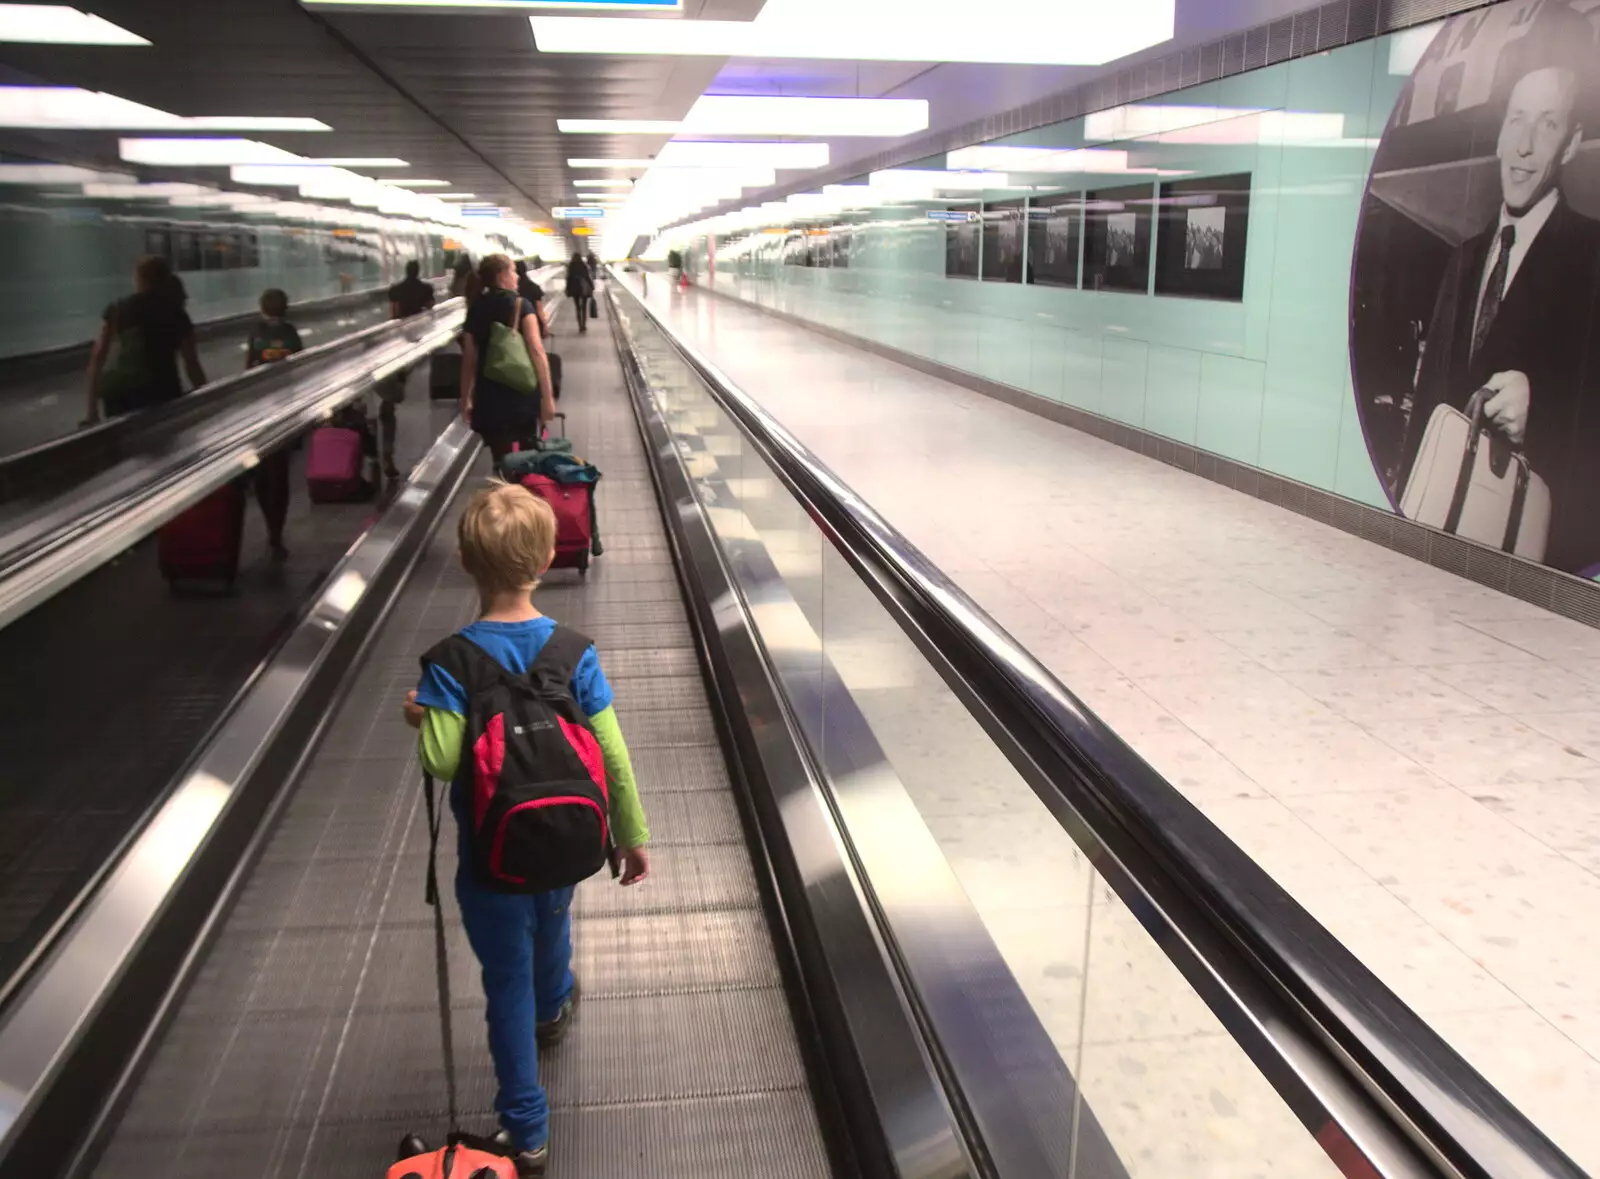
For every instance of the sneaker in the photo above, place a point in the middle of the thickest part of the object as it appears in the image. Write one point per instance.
(530, 1164)
(279, 553)
(552, 1031)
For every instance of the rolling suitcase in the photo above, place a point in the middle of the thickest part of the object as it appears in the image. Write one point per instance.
(444, 376)
(1468, 480)
(573, 504)
(333, 465)
(555, 374)
(202, 544)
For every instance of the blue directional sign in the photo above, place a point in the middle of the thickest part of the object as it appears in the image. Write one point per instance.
(578, 212)
(951, 215)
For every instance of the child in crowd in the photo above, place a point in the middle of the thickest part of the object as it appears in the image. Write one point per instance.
(273, 338)
(522, 941)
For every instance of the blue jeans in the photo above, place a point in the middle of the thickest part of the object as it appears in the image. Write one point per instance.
(524, 944)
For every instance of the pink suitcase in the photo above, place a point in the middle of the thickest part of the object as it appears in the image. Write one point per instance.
(573, 504)
(202, 544)
(333, 465)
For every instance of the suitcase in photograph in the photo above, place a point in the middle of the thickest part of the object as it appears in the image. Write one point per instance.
(333, 465)
(202, 544)
(1470, 481)
(444, 376)
(573, 504)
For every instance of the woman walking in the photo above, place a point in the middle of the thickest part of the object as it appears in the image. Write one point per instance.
(580, 288)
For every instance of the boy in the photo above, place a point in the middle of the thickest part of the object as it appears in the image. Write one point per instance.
(273, 338)
(523, 942)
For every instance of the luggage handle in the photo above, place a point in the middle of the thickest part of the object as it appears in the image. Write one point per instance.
(1469, 459)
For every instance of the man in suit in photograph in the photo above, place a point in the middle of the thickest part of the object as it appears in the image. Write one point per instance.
(1517, 301)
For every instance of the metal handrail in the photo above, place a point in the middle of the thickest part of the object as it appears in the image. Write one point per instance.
(163, 461)
(1377, 1086)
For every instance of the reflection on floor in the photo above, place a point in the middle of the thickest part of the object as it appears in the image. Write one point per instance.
(1414, 757)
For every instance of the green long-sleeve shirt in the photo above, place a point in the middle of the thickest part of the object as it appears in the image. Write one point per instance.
(443, 734)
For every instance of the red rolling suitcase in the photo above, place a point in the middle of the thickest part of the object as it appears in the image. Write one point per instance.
(573, 504)
(202, 544)
(333, 465)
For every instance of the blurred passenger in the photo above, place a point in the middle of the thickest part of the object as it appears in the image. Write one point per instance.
(273, 338)
(522, 939)
(533, 293)
(410, 296)
(150, 330)
(463, 276)
(580, 288)
(502, 416)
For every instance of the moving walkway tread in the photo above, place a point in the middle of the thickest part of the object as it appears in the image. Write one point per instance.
(114, 681)
(308, 1042)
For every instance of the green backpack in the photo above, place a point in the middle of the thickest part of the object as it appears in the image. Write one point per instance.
(126, 378)
(507, 361)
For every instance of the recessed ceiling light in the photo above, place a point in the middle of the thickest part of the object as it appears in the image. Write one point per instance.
(53, 24)
(714, 154)
(1024, 32)
(419, 183)
(495, 6)
(1041, 159)
(618, 164)
(356, 162)
(45, 175)
(618, 126)
(732, 114)
(453, 196)
(178, 152)
(602, 184)
(68, 108)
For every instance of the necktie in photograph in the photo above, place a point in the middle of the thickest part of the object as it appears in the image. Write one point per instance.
(1496, 289)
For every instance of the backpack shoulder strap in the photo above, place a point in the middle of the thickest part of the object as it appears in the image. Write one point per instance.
(465, 661)
(558, 659)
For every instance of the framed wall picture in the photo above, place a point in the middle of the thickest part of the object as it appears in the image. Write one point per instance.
(1116, 248)
(1055, 234)
(1202, 227)
(961, 240)
(1002, 241)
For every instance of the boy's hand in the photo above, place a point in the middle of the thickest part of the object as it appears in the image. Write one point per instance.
(635, 865)
(414, 711)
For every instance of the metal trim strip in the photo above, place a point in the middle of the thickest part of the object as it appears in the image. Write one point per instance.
(1363, 1072)
(80, 1025)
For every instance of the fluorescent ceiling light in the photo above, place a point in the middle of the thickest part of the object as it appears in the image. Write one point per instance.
(497, 6)
(602, 184)
(618, 164)
(1036, 159)
(202, 152)
(453, 196)
(1025, 32)
(355, 162)
(912, 180)
(729, 114)
(68, 108)
(733, 114)
(1221, 126)
(419, 183)
(47, 175)
(618, 126)
(711, 153)
(52, 24)
(144, 191)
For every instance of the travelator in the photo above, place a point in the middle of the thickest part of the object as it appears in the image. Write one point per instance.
(915, 911)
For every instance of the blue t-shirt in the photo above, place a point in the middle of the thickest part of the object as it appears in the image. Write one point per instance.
(515, 645)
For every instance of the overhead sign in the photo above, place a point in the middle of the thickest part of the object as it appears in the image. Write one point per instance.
(457, 7)
(578, 212)
(951, 215)
(582, 231)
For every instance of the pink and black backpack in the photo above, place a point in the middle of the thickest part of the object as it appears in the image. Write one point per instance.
(534, 776)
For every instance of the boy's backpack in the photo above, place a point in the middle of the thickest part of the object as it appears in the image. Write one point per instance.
(537, 801)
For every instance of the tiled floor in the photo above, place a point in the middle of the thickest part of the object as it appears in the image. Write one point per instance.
(1414, 757)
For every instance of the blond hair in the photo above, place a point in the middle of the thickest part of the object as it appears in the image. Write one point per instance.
(507, 536)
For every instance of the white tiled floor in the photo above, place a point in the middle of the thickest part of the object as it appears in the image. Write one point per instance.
(1414, 757)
